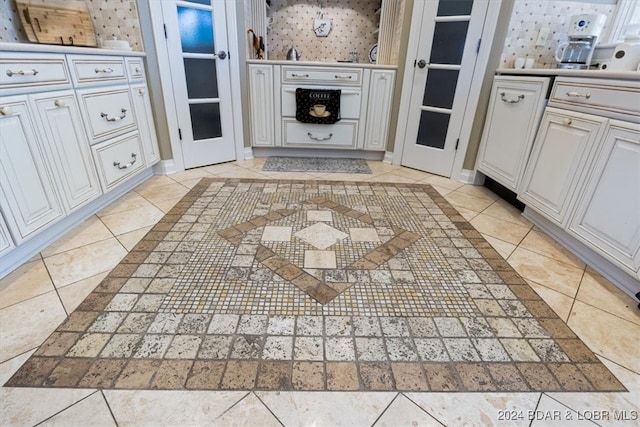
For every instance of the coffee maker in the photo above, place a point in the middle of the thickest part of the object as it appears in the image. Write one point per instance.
(584, 31)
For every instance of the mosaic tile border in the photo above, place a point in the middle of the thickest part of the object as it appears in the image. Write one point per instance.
(316, 164)
(120, 338)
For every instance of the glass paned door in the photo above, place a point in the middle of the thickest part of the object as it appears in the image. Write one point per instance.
(443, 70)
(196, 40)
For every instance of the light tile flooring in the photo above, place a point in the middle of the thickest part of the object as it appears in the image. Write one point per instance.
(37, 297)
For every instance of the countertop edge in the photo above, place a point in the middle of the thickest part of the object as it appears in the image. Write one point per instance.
(600, 74)
(322, 64)
(48, 48)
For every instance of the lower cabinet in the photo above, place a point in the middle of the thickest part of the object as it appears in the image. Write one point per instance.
(146, 127)
(261, 102)
(6, 242)
(607, 214)
(118, 159)
(563, 147)
(379, 109)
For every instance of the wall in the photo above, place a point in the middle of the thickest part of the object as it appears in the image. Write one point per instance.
(352, 30)
(117, 18)
(530, 15)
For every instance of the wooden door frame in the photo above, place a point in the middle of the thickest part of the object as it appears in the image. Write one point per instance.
(164, 72)
(471, 106)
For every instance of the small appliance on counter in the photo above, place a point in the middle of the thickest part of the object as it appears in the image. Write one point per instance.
(293, 55)
(583, 34)
(626, 56)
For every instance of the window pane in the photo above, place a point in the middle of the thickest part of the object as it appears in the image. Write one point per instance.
(448, 42)
(454, 7)
(196, 30)
(207, 2)
(441, 88)
(432, 131)
(205, 121)
(201, 78)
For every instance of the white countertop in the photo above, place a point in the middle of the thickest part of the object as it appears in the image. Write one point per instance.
(321, 64)
(598, 74)
(50, 48)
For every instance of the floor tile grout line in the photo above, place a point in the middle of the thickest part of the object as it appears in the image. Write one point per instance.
(575, 298)
(424, 410)
(18, 355)
(268, 409)
(536, 407)
(234, 404)
(385, 410)
(566, 406)
(66, 408)
(617, 363)
(106, 401)
(66, 313)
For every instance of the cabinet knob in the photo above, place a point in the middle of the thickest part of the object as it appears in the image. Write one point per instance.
(59, 103)
(137, 70)
(567, 121)
(141, 91)
(4, 111)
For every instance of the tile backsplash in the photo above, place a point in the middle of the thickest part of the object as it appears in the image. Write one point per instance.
(111, 18)
(530, 15)
(353, 29)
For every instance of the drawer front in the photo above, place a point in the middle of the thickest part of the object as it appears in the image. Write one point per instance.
(611, 97)
(20, 72)
(92, 70)
(341, 76)
(349, 101)
(135, 69)
(118, 160)
(338, 135)
(108, 113)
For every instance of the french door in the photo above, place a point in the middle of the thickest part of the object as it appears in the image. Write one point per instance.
(449, 32)
(196, 36)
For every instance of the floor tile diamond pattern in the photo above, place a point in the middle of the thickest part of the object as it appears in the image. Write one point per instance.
(294, 285)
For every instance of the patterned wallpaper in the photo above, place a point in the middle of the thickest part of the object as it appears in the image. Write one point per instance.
(353, 26)
(111, 18)
(530, 15)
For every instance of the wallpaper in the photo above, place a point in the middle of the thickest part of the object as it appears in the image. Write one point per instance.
(111, 18)
(530, 15)
(353, 29)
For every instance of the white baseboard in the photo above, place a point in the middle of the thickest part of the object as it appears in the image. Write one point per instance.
(248, 153)
(165, 167)
(388, 157)
(471, 177)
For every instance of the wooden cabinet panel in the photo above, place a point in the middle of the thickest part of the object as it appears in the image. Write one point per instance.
(262, 105)
(118, 159)
(379, 109)
(107, 112)
(6, 242)
(146, 126)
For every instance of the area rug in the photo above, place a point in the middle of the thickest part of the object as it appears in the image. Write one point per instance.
(315, 164)
(314, 285)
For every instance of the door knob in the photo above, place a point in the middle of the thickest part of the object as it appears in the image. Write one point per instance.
(422, 63)
(221, 55)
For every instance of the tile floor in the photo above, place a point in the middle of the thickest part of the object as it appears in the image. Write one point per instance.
(40, 294)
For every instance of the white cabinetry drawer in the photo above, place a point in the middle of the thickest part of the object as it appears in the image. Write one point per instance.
(618, 99)
(343, 76)
(338, 135)
(135, 69)
(91, 70)
(118, 159)
(108, 112)
(349, 101)
(21, 72)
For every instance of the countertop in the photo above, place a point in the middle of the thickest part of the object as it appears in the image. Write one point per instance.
(50, 48)
(321, 64)
(597, 74)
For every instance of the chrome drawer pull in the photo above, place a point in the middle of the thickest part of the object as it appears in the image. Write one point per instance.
(128, 165)
(319, 138)
(578, 95)
(104, 70)
(31, 72)
(306, 76)
(510, 101)
(343, 77)
(114, 119)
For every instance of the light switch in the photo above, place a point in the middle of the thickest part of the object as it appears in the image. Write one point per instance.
(543, 36)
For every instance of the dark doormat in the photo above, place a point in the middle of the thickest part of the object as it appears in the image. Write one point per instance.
(314, 164)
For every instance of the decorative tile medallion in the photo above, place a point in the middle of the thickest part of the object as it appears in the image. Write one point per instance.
(314, 285)
(315, 164)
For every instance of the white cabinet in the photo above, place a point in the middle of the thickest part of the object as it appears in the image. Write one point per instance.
(515, 107)
(6, 243)
(67, 148)
(379, 109)
(563, 147)
(261, 105)
(146, 127)
(607, 213)
(27, 187)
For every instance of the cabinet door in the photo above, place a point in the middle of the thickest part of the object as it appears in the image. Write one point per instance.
(146, 125)
(27, 188)
(379, 109)
(560, 153)
(67, 148)
(261, 104)
(6, 243)
(608, 211)
(515, 109)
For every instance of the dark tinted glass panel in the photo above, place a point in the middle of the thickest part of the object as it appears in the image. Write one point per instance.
(205, 121)
(441, 87)
(207, 2)
(196, 30)
(201, 78)
(433, 129)
(454, 7)
(448, 42)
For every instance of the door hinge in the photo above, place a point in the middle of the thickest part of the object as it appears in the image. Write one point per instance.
(415, 61)
(478, 47)
(165, 30)
(180, 135)
(457, 142)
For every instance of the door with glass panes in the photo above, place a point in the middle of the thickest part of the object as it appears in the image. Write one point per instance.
(443, 69)
(197, 47)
